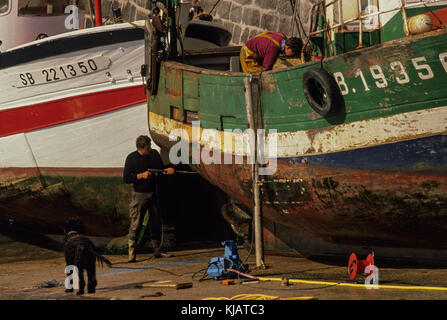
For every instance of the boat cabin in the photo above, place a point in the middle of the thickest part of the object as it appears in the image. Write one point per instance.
(345, 25)
(337, 27)
(23, 21)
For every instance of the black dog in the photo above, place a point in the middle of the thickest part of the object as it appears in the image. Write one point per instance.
(81, 252)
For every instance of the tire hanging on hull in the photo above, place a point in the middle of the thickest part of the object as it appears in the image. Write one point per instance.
(322, 92)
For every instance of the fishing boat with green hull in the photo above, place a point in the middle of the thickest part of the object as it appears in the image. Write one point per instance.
(352, 143)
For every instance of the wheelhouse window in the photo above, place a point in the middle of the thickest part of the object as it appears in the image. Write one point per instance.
(4, 6)
(43, 7)
(345, 13)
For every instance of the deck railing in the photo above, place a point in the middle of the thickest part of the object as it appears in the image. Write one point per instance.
(361, 17)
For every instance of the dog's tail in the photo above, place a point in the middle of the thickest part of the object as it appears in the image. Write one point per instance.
(101, 260)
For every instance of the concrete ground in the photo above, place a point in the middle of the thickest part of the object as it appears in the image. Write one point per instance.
(28, 272)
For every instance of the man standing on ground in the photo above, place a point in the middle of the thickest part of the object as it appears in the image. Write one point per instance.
(260, 52)
(143, 194)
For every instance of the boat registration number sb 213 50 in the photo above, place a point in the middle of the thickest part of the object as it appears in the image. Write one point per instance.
(60, 72)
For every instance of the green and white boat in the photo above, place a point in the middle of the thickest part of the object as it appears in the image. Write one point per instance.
(354, 140)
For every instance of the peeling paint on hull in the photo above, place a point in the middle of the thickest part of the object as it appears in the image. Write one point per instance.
(43, 203)
(349, 206)
(375, 174)
(345, 205)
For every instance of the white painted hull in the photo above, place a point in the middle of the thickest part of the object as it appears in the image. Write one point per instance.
(88, 143)
(64, 137)
(85, 139)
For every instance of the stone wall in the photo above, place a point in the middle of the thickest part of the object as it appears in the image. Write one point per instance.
(131, 9)
(244, 18)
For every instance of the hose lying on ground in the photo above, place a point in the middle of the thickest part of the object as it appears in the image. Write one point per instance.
(258, 297)
(342, 284)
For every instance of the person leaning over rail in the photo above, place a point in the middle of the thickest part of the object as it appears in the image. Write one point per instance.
(143, 194)
(260, 52)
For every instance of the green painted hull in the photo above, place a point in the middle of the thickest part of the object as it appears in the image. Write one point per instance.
(42, 204)
(102, 202)
(219, 99)
(372, 174)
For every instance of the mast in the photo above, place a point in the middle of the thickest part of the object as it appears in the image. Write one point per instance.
(172, 6)
(98, 13)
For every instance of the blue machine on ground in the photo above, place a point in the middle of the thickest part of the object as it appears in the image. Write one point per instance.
(218, 267)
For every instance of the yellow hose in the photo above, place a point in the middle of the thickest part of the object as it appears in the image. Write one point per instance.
(258, 297)
(341, 284)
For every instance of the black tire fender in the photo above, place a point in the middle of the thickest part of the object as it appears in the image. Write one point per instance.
(322, 91)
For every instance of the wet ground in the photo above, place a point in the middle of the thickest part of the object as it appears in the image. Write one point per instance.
(29, 272)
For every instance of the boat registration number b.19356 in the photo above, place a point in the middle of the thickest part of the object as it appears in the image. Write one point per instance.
(420, 65)
(61, 72)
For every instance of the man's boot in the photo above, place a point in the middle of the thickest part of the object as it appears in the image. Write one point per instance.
(158, 253)
(156, 247)
(132, 251)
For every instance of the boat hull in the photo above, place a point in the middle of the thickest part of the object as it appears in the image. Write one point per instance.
(355, 206)
(71, 169)
(71, 108)
(374, 174)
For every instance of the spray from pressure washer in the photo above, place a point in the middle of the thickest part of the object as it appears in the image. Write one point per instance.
(143, 229)
(176, 171)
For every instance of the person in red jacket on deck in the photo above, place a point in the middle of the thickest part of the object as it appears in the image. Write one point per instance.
(260, 52)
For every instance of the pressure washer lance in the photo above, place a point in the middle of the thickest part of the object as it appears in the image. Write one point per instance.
(175, 171)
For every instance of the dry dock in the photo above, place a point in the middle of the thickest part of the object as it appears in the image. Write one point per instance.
(28, 272)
